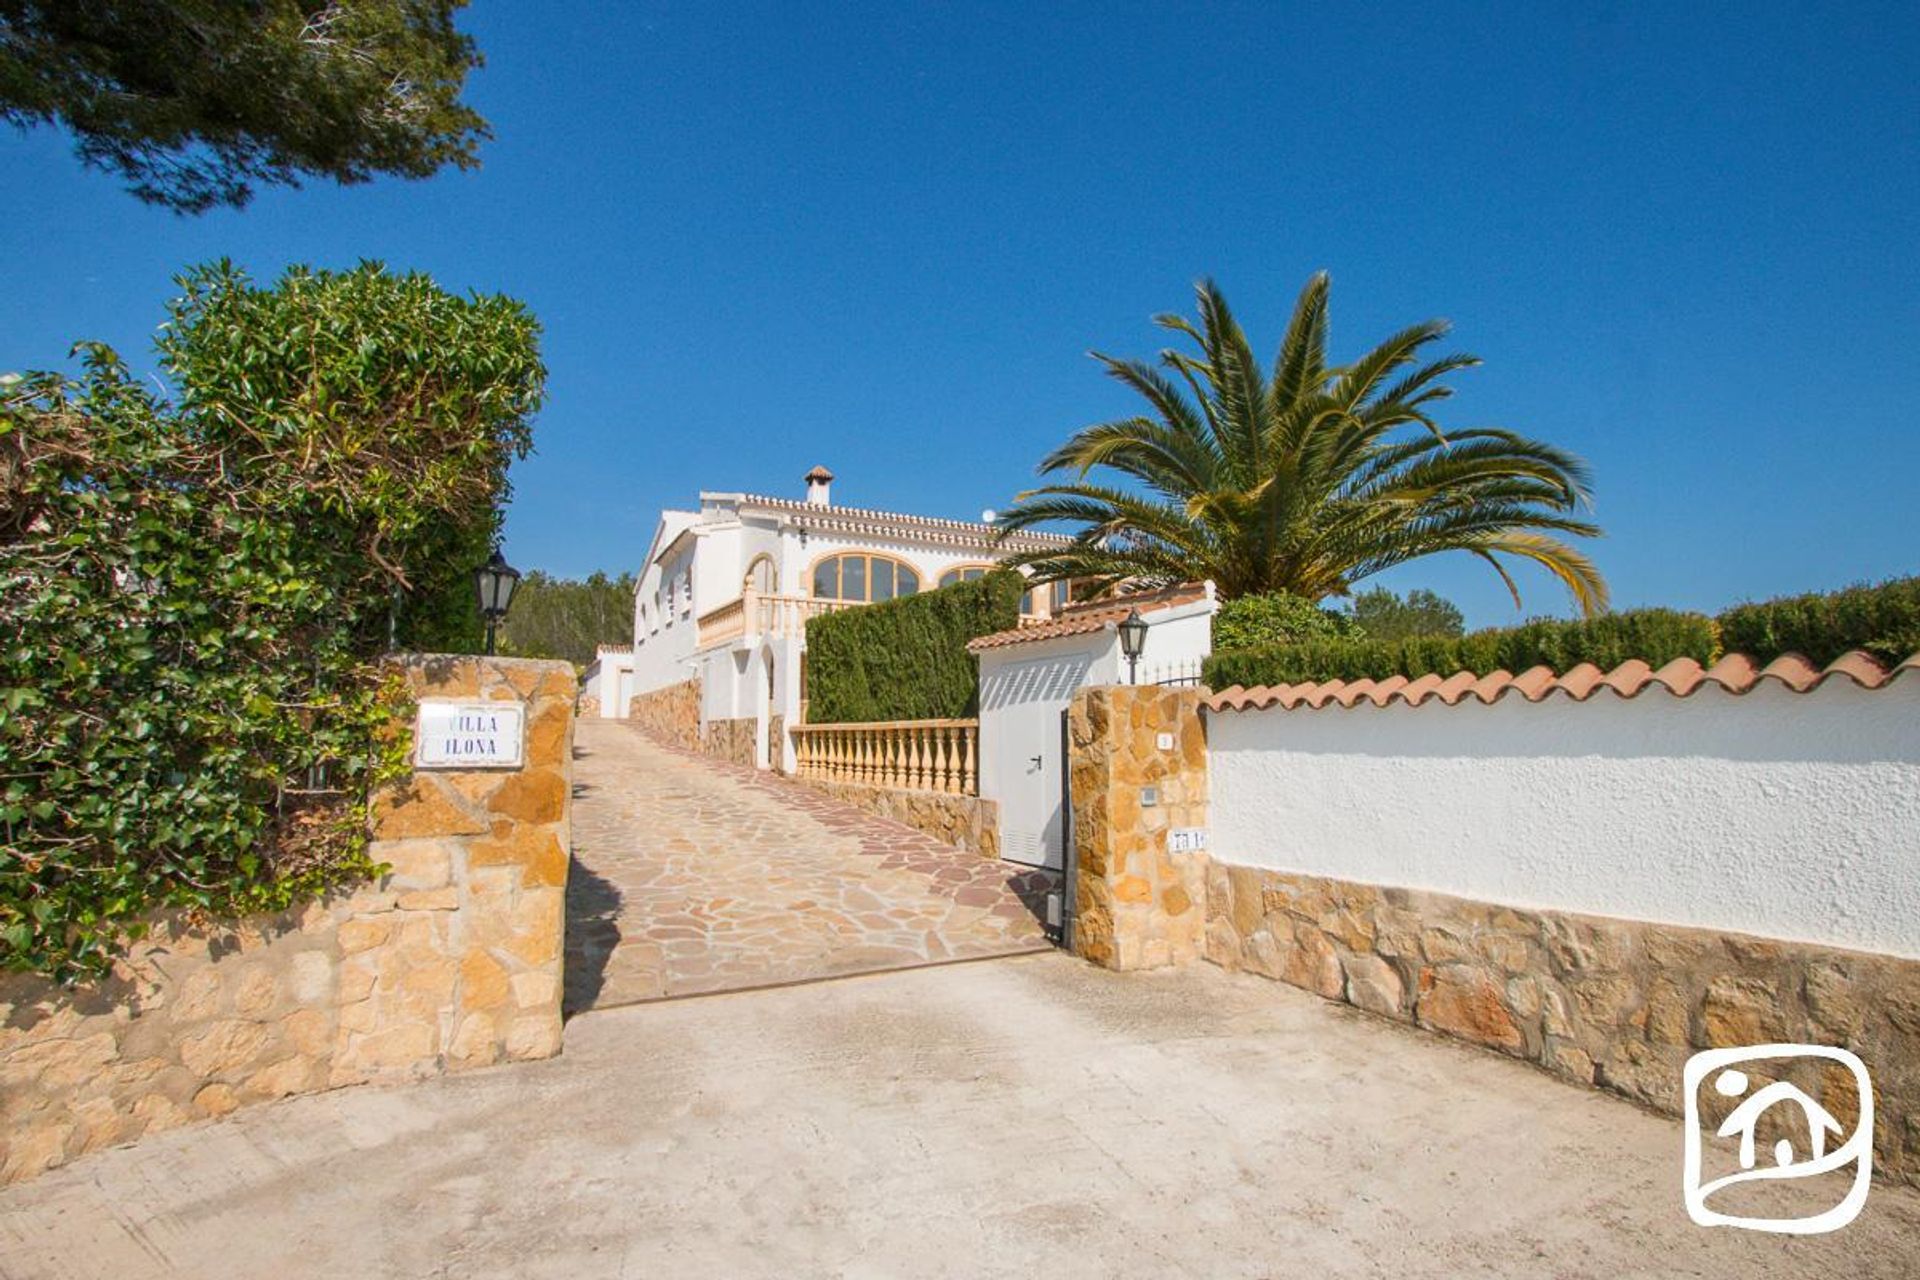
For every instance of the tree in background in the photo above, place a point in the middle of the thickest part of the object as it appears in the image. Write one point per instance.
(1247, 622)
(1306, 481)
(192, 102)
(564, 618)
(1386, 616)
(194, 592)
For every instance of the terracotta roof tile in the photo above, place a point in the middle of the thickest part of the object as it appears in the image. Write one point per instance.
(1736, 673)
(1093, 615)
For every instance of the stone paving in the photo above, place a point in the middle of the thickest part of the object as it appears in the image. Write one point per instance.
(691, 876)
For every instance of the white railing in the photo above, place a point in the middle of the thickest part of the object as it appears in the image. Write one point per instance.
(753, 615)
(905, 755)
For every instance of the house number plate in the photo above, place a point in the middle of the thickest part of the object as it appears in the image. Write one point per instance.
(470, 735)
(1186, 839)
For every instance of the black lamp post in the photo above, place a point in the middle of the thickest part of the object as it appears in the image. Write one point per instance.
(1133, 641)
(495, 581)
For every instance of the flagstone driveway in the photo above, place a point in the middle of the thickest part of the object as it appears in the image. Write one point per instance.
(691, 876)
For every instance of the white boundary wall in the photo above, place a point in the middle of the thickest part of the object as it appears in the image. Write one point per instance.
(1787, 815)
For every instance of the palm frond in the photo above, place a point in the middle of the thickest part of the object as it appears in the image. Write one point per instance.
(1308, 481)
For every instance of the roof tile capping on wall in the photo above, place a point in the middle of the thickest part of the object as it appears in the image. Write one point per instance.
(1735, 673)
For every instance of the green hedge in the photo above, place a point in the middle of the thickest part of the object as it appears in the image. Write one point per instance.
(1656, 636)
(906, 659)
(194, 592)
(1884, 620)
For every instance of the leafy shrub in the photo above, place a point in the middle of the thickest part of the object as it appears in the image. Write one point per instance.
(1276, 617)
(1656, 636)
(193, 593)
(907, 659)
(1883, 619)
(1385, 616)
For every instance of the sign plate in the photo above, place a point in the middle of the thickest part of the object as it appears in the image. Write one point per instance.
(1186, 839)
(470, 735)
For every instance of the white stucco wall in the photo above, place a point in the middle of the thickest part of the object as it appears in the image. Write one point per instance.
(608, 680)
(1025, 688)
(1178, 642)
(1787, 815)
(663, 642)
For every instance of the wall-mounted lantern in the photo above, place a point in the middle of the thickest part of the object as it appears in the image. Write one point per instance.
(1133, 642)
(495, 582)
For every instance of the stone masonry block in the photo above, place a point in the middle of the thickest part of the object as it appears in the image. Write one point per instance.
(1611, 1003)
(378, 982)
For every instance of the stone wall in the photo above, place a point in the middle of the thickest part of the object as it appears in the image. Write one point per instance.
(776, 742)
(966, 822)
(736, 741)
(1136, 904)
(671, 714)
(1606, 1002)
(452, 960)
(1615, 1003)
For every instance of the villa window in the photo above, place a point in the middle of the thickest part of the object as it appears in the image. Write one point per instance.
(762, 575)
(1058, 595)
(864, 578)
(1029, 602)
(965, 573)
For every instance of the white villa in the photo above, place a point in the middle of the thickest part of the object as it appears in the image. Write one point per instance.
(726, 592)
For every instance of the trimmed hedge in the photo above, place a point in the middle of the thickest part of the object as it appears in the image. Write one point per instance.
(1883, 619)
(1656, 636)
(907, 659)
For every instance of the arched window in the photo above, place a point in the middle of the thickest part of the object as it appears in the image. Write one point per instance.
(762, 576)
(965, 573)
(856, 575)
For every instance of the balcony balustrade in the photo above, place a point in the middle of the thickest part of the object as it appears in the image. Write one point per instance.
(905, 755)
(754, 615)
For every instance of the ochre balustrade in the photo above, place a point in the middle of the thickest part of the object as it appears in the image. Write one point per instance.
(754, 615)
(728, 622)
(904, 755)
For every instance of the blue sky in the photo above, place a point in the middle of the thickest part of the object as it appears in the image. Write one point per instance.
(1686, 243)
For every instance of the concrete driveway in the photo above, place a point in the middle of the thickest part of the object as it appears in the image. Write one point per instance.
(1029, 1116)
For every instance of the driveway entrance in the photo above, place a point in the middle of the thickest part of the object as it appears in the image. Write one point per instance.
(1033, 1117)
(692, 876)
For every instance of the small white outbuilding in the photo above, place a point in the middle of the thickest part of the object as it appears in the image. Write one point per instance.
(607, 683)
(1028, 677)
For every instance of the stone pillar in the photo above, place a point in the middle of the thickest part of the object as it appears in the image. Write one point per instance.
(463, 968)
(1137, 904)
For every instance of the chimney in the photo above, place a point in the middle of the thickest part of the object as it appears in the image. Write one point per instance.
(819, 485)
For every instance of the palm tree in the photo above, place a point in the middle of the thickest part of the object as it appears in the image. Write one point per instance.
(1305, 483)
